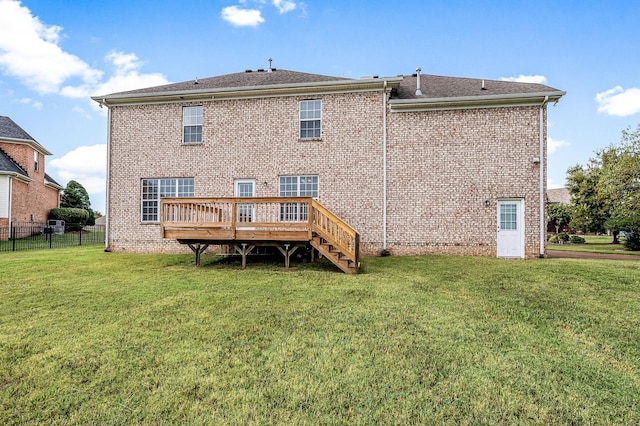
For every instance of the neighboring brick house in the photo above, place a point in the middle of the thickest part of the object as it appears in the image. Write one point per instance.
(27, 193)
(417, 164)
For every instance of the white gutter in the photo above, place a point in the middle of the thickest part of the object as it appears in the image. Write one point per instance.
(271, 90)
(543, 221)
(466, 102)
(18, 176)
(384, 166)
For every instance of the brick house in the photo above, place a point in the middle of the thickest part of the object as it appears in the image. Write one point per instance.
(27, 193)
(417, 164)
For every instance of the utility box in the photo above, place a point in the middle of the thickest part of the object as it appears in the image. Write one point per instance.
(56, 226)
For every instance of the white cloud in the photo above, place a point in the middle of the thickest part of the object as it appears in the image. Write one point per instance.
(29, 50)
(619, 102)
(242, 17)
(86, 165)
(553, 185)
(540, 79)
(81, 111)
(126, 75)
(553, 145)
(284, 6)
(35, 104)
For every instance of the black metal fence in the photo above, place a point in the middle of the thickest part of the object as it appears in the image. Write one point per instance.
(33, 236)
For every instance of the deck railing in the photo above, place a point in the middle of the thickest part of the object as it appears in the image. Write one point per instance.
(270, 218)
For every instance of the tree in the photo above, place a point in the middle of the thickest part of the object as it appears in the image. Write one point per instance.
(75, 196)
(559, 215)
(590, 209)
(606, 192)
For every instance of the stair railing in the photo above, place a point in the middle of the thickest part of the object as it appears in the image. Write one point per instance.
(335, 231)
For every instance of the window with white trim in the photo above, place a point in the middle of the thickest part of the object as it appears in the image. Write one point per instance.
(297, 186)
(192, 124)
(36, 157)
(310, 119)
(154, 189)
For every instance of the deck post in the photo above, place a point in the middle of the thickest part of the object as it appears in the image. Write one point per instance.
(233, 219)
(244, 251)
(198, 249)
(287, 253)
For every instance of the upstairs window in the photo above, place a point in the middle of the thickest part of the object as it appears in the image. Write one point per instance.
(310, 119)
(36, 157)
(154, 189)
(192, 124)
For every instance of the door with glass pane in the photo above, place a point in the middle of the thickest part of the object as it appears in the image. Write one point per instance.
(510, 228)
(245, 212)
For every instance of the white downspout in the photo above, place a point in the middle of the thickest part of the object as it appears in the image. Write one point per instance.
(543, 219)
(384, 166)
(10, 215)
(107, 192)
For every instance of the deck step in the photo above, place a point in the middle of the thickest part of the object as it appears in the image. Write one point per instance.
(334, 254)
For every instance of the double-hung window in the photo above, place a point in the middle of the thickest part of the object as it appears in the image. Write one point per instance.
(192, 124)
(310, 119)
(36, 157)
(154, 189)
(297, 186)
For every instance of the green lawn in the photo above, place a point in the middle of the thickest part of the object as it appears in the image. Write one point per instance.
(88, 337)
(594, 244)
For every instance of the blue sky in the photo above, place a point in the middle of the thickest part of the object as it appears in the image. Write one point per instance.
(54, 55)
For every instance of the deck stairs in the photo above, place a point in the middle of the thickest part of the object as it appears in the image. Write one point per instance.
(335, 255)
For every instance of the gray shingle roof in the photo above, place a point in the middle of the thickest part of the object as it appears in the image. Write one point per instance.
(49, 179)
(240, 79)
(435, 86)
(432, 86)
(9, 129)
(558, 195)
(7, 165)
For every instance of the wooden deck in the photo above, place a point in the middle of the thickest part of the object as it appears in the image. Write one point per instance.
(244, 223)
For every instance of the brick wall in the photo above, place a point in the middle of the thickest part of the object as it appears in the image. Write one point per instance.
(33, 198)
(442, 167)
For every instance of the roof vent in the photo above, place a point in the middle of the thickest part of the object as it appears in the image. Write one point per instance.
(270, 69)
(248, 71)
(260, 70)
(483, 88)
(418, 91)
(195, 81)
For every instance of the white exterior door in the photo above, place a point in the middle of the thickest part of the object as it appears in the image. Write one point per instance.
(511, 228)
(245, 188)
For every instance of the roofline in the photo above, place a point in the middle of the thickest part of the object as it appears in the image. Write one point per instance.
(466, 102)
(16, 175)
(334, 86)
(53, 185)
(35, 145)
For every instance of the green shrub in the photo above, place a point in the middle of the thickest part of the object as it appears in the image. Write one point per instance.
(563, 236)
(69, 215)
(632, 241)
(576, 239)
(554, 239)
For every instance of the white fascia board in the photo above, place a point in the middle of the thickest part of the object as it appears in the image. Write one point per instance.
(18, 176)
(336, 86)
(53, 185)
(35, 145)
(472, 102)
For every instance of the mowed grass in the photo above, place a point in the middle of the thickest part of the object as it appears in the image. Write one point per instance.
(88, 337)
(595, 244)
